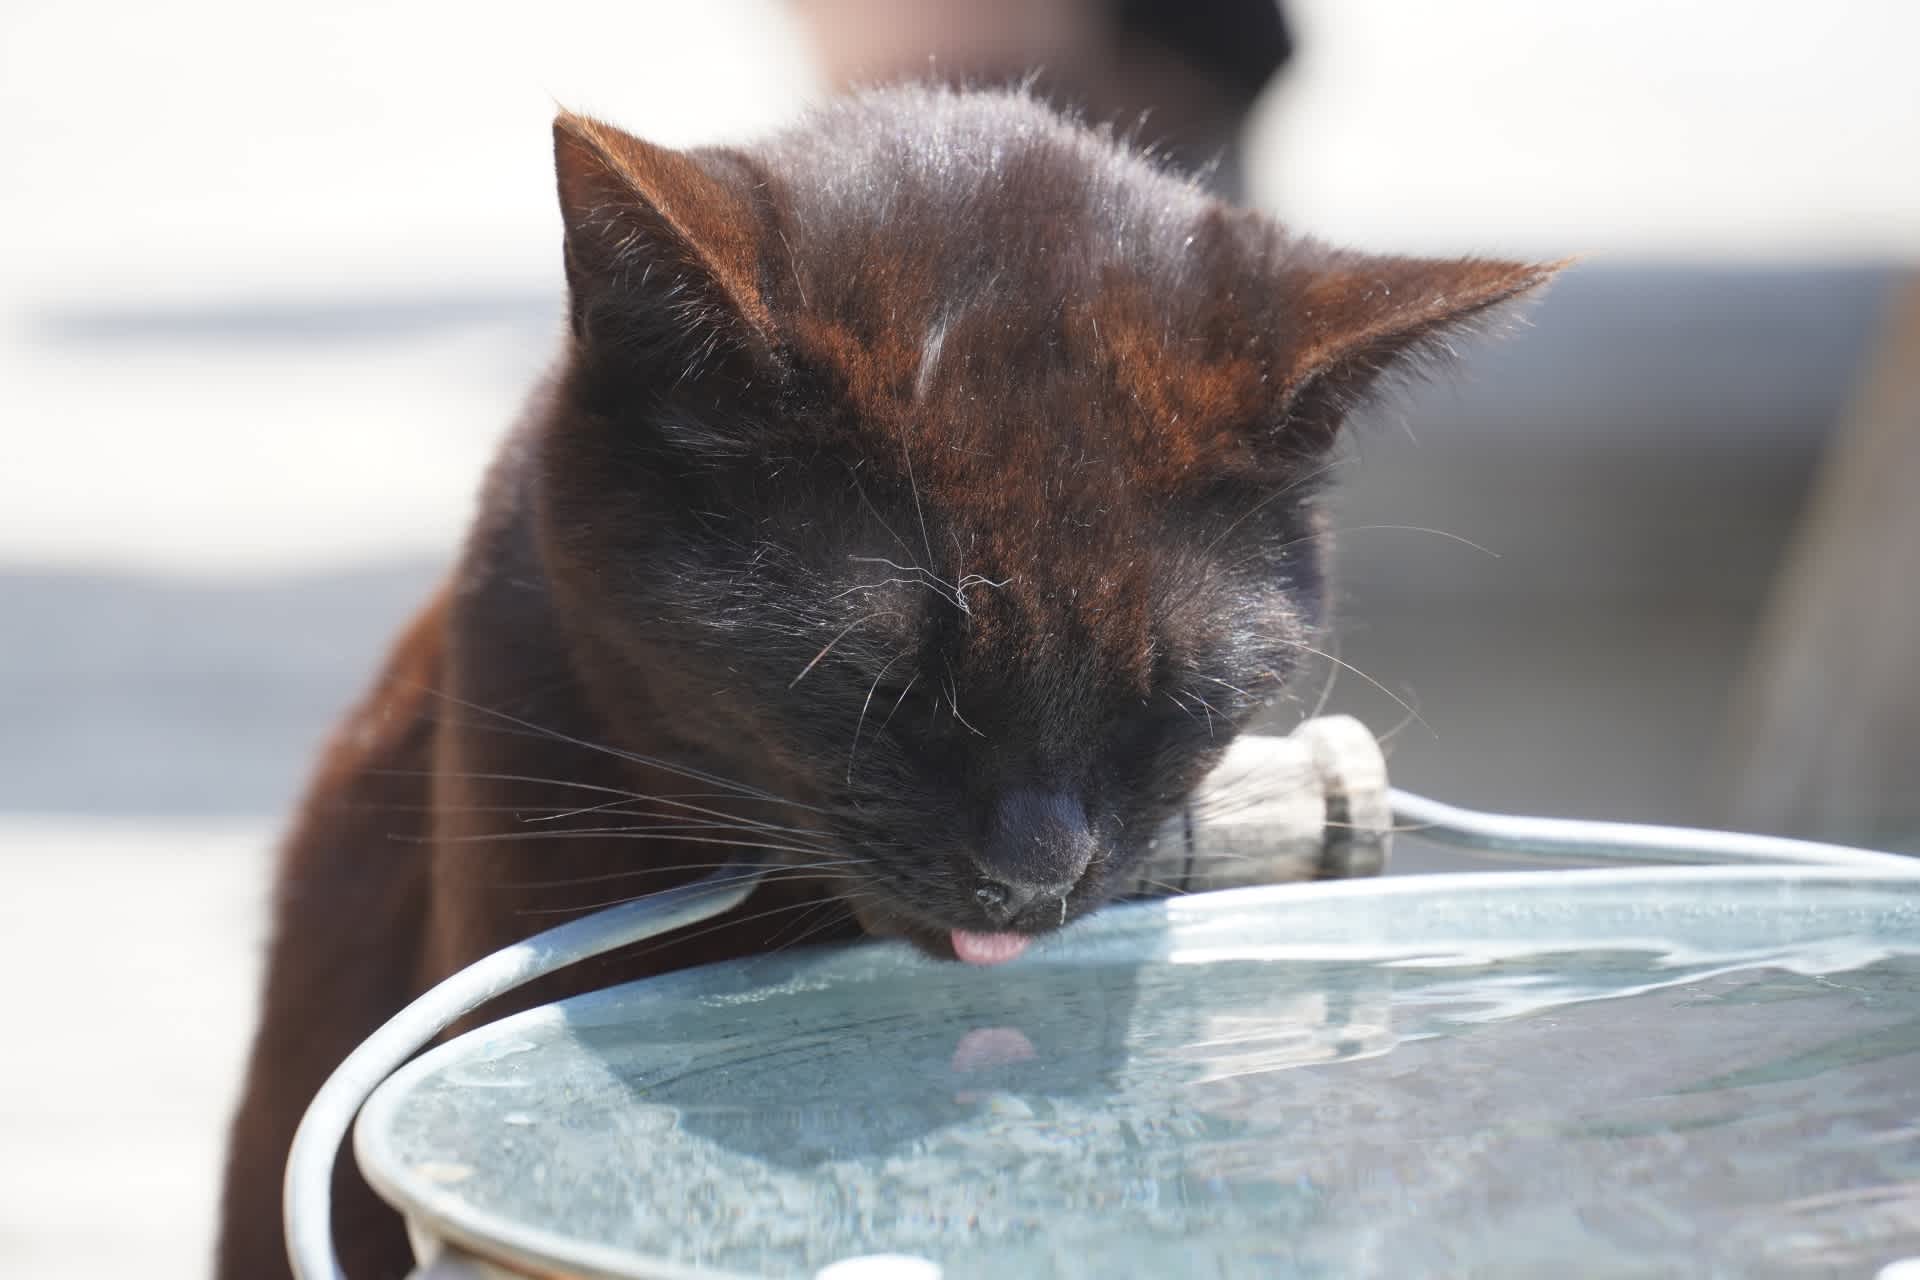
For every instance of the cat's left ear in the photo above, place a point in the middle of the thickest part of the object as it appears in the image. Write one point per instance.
(1359, 318)
(662, 246)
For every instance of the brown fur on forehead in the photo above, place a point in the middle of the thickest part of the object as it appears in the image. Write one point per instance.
(923, 195)
(1042, 468)
(1045, 278)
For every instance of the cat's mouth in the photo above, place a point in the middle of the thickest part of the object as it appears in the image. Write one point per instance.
(968, 946)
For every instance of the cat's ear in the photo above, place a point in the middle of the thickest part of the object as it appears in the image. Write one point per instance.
(661, 247)
(1360, 318)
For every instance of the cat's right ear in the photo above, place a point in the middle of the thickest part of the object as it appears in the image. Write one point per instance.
(661, 249)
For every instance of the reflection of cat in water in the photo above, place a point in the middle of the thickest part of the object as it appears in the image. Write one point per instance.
(1062, 1045)
(947, 1047)
(924, 498)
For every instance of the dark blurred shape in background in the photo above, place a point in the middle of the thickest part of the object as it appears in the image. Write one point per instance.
(1826, 734)
(1183, 75)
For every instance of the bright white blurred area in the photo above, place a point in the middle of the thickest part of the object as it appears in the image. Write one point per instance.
(211, 210)
(1715, 129)
(213, 148)
(116, 1079)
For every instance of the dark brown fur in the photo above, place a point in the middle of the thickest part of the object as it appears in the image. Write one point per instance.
(934, 482)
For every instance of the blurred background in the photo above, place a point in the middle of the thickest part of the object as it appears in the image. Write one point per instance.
(273, 281)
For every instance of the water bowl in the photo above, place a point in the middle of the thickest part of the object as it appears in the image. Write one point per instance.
(1626, 1072)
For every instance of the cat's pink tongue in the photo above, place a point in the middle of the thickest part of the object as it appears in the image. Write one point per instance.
(987, 948)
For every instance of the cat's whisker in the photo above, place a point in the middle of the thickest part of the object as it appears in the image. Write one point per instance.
(1268, 501)
(1386, 739)
(619, 753)
(550, 812)
(530, 779)
(803, 835)
(1236, 688)
(834, 910)
(609, 877)
(830, 919)
(679, 801)
(747, 872)
(953, 703)
(1326, 690)
(626, 797)
(853, 473)
(1171, 890)
(739, 790)
(902, 698)
(612, 806)
(1211, 712)
(1403, 703)
(666, 823)
(417, 806)
(865, 705)
(833, 917)
(876, 586)
(720, 817)
(1400, 528)
(913, 486)
(951, 592)
(844, 632)
(503, 837)
(726, 921)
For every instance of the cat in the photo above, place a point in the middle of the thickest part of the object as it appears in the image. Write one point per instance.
(923, 499)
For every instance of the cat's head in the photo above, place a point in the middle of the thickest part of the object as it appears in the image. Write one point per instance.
(949, 468)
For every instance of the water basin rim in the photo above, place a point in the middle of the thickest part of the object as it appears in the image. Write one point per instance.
(1082, 943)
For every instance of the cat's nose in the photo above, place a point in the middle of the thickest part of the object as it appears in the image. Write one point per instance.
(1002, 901)
(1038, 846)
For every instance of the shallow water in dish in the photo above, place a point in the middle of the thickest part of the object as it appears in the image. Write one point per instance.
(1626, 1110)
